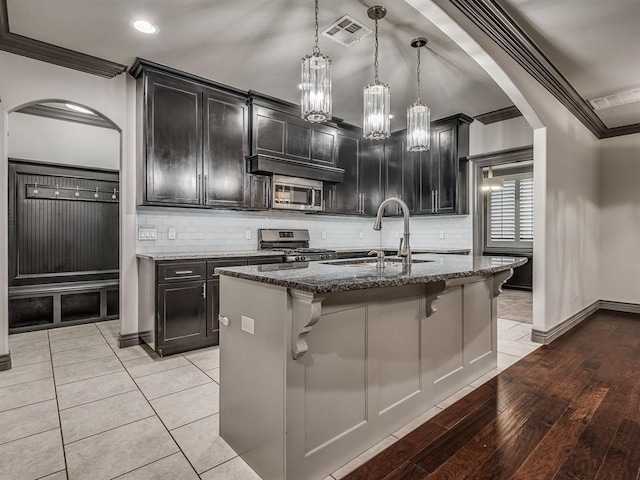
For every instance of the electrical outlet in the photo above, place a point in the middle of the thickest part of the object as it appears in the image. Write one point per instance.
(248, 325)
(396, 235)
(147, 233)
(323, 235)
(361, 235)
(247, 234)
(172, 233)
(441, 235)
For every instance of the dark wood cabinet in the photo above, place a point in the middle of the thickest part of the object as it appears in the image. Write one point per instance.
(182, 313)
(180, 301)
(196, 143)
(260, 192)
(173, 141)
(288, 137)
(225, 149)
(361, 190)
(399, 173)
(443, 169)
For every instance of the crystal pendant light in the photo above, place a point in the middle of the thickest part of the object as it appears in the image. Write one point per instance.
(418, 114)
(315, 99)
(375, 125)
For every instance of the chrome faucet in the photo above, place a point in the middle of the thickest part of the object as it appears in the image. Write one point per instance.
(404, 251)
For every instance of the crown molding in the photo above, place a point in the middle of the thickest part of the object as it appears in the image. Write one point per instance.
(495, 22)
(499, 115)
(46, 52)
(69, 116)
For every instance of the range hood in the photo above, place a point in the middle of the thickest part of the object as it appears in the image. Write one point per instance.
(265, 164)
(284, 144)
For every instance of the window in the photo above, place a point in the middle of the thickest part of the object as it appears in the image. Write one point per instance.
(510, 214)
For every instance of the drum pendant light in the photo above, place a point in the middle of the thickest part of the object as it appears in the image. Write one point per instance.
(375, 125)
(315, 101)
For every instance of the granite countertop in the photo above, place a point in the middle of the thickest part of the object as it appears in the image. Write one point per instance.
(416, 250)
(204, 255)
(335, 276)
(271, 253)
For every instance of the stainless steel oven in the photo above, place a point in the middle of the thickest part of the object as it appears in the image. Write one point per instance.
(291, 193)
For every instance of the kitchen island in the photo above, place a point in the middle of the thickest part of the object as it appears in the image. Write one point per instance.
(322, 360)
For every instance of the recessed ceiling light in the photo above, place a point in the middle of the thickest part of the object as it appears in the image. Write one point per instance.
(144, 26)
(78, 108)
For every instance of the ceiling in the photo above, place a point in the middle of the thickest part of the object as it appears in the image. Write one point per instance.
(593, 43)
(257, 45)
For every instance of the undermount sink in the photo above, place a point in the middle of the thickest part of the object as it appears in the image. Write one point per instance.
(367, 262)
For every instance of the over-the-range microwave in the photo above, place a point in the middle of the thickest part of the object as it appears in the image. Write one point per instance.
(291, 193)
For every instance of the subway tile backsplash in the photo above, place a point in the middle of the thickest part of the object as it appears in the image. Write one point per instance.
(221, 230)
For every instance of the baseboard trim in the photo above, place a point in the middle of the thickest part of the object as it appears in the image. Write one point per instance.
(547, 337)
(128, 340)
(5, 362)
(620, 306)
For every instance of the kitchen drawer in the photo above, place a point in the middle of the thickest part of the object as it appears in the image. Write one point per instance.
(181, 271)
(265, 260)
(232, 262)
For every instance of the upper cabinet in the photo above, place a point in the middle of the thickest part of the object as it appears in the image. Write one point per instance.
(443, 168)
(283, 143)
(195, 141)
(173, 141)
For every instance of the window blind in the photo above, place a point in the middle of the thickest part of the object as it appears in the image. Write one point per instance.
(510, 213)
(503, 213)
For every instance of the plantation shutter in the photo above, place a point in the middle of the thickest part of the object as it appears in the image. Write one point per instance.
(526, 209)
(503, 213)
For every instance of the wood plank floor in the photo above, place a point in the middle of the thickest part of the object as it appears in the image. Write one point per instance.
(568, 411)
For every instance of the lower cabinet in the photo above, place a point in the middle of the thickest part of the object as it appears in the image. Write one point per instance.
(185, 301)
(182, 313)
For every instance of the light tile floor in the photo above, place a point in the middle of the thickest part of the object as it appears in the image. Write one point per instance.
(76, 406)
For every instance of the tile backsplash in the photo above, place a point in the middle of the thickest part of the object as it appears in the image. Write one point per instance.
(222, 230)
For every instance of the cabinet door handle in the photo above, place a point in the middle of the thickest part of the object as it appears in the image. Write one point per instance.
(362, 210)
(433, 201)
(184, 272)
(206, 200)
(204, 290)
(223, 320)
(199, 185)
(437, 200)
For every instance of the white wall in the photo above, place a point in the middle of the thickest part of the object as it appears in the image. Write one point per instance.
(512, 133)
(620, 219)
(215, 231)
(57, 141)
(24, 81)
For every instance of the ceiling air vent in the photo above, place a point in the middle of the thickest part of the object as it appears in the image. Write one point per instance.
(616, 99)
(346, 31)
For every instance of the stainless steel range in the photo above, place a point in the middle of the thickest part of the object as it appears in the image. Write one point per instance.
(295, 244)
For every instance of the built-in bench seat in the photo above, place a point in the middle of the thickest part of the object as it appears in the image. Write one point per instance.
(35, 307)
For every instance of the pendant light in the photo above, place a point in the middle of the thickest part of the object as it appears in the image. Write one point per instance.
(491, 183)
(418, 114)
(315, 101)
(375, 125)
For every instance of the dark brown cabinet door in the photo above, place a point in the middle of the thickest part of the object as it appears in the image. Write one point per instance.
(371, 176)
(182, 313)
(260, 192)
(174, 141)
(323, 145)
(344, 198)
(427, 174)
(409, 178)
(393, 172)
(445, 160)
(213, 310)
(225, 149)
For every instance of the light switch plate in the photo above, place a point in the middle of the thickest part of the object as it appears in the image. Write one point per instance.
(361, 235)
(323, 235)
(441, 235)
(147, 233)
(172, 233)
(247, 234)
(248, 325)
